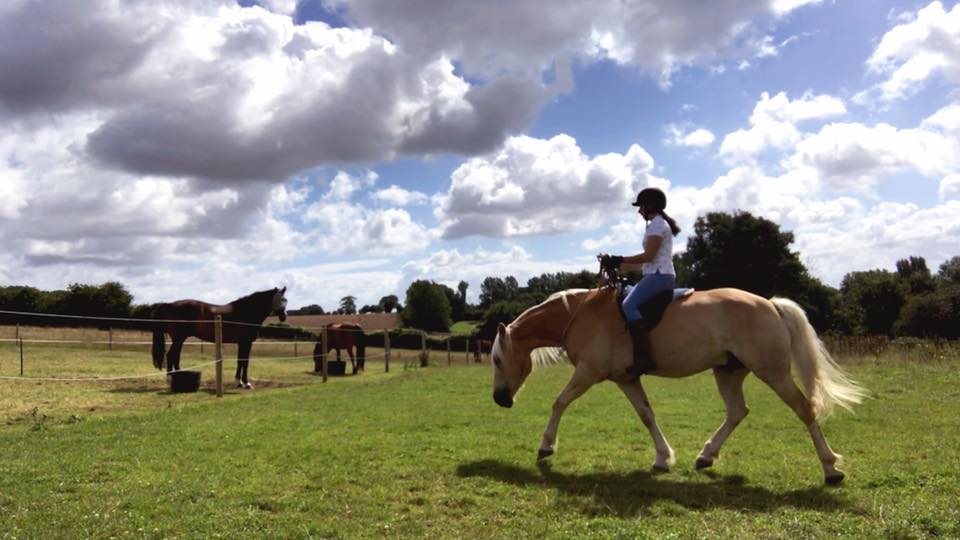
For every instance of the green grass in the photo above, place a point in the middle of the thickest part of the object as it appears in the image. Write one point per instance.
(426, 453)
(464, 328)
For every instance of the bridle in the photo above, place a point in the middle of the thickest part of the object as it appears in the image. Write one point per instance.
(608, 277)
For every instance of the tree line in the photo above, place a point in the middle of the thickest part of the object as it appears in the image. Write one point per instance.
(725, 250)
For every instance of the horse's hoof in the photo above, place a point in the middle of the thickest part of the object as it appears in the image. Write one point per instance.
(834, 479)
(660, 468)
(544, 453)
(703, 463)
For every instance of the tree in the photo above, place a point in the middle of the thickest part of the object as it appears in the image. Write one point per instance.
(389, 303)
(742, 251)
(25, 299)
(371, 309)
(494, 289)
(504, 311)
(348, 305)
(457, 304)
(935, 314)
(915, 275)
(108, 300)
(312, 309)
(875, 298)
(462, 289)
(950, 271)
(427, 307)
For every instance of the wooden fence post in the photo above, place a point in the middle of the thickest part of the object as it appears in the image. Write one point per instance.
(386, 350)
(295, 347)
(326, 350)
(448, 352)
(20, 341)
(109, 338)
(218, 351)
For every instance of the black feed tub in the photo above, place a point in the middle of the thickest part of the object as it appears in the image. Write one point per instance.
(336, 367)
(184, 381)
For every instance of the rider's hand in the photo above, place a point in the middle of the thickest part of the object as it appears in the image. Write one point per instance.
(610, 261)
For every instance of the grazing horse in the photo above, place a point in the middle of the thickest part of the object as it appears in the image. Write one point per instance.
(730, 331)
(241, 324)
(342, 336)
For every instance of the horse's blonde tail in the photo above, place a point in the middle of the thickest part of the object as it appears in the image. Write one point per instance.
(825, 384)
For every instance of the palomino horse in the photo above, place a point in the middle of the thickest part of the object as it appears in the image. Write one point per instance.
(730, 331)
(345, 335)
(241, 324)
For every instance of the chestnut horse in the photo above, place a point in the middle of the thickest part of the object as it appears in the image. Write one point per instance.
(730, 331)
(241, 324)
(344, 335)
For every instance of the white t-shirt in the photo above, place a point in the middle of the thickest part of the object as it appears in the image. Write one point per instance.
(663, 261)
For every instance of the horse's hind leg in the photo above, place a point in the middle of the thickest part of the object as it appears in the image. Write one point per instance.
(730, 385)
(353, 363)
(784, 386)
(578, 384)
(638, 398)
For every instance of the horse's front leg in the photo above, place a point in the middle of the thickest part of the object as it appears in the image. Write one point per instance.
(638, 398)
(173, 355)
(353, 362)
(579, 383)
(243, 362)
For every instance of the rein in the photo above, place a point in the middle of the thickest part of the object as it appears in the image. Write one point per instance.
(607, 278)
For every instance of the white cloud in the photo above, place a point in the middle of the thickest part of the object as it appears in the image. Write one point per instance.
(339, 226)
(950, 187)
(913, 52)
(855, 156)
(773, 124)
(535, 186)
(399, 196)
(785, 6)
(696, 138)
(660, 36)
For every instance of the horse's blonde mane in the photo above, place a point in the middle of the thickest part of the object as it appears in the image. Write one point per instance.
(545, 356)
(548, 356)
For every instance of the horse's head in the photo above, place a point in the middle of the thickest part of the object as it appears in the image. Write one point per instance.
(280, 303)
(511, 365)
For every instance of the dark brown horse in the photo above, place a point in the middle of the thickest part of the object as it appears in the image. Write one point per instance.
(241, 324)
(483, 347)
(342, 336)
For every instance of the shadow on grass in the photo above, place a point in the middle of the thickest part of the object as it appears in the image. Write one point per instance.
(624, 495)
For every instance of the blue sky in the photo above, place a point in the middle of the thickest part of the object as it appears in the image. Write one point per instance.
(349, 147)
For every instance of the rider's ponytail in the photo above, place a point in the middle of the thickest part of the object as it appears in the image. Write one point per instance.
(674, 228)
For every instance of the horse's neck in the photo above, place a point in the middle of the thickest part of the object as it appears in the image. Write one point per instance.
(254, 308)
(543, 325)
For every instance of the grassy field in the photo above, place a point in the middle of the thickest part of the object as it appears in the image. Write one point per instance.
(425, 452)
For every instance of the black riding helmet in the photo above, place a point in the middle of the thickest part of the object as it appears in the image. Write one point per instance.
(652, 199)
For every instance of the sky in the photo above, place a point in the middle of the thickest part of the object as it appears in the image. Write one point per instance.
(210, 149)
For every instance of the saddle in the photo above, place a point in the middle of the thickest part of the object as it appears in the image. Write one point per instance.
(651, 311)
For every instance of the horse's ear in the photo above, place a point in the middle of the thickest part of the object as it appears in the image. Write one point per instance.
(502, 331)
(283, 290)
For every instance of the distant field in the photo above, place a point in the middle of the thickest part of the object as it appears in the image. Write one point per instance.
(464, 328)
(424, 452)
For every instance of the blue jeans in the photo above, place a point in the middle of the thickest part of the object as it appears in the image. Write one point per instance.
(644, 290)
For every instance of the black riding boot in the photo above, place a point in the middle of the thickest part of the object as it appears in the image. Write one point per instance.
(642, 358)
